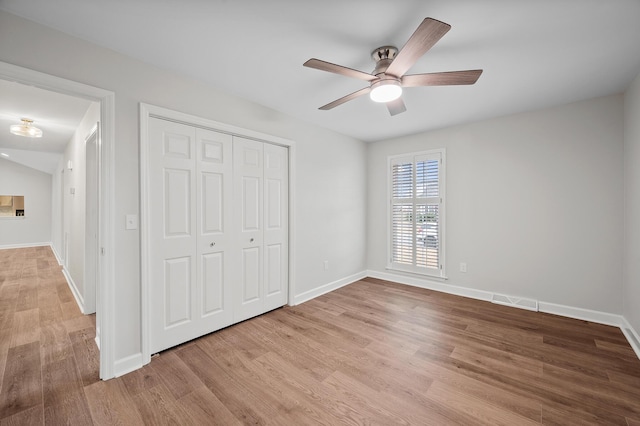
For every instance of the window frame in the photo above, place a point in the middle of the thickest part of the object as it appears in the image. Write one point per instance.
(415, 157)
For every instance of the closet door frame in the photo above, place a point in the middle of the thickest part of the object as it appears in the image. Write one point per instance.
(146, 112)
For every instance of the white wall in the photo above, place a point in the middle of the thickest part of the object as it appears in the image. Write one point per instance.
(70, 228)
(534, 203)
(35, 227)
(323, 232)
(631, 279)
(331, 185)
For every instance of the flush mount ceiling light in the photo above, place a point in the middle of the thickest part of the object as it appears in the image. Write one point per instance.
(25, 129)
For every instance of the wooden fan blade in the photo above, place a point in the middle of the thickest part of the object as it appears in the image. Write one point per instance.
(345, 99)
(450, 78)
(423, 39)
(338, 69)
(396, 107)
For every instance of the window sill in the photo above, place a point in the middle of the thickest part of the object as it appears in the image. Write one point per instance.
(413, 272)
(12, 217)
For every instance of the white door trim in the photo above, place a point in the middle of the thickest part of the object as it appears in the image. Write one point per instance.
(91, 254)
(147, 111)
(106, 309)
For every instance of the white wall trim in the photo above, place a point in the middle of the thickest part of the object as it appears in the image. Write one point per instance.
(91, 256)
(432, 285)
(56, 254)
(127, 364)
(106, 307)
(581, 314)
(326, 288)
(146, 112)
(25, 245)
(192, 120)
(292, 224)
(74, 289)
(632, 336)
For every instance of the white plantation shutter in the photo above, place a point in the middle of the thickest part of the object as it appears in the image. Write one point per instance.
(417, 196)
(402, 176)
(402, 236)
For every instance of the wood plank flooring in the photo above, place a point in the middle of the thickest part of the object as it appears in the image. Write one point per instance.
(47, 349)
(373, 352)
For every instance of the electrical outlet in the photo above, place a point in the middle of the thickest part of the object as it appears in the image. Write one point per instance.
(463, 267)
(326, 265)
(131, 221)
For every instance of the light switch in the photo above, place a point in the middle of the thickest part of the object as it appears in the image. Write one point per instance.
(131, 221)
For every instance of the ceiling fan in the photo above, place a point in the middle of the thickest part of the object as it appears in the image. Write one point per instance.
(388, 78)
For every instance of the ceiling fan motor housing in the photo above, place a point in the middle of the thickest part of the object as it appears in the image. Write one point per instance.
(383, 57)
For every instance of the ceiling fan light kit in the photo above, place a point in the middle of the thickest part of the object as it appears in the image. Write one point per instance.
(25, 129)
(385, 90)
(388, 78)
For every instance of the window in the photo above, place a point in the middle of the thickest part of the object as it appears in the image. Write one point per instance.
(417, 213)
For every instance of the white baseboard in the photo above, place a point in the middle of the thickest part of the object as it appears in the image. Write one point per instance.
(319, 291)
(632, 336)
(128, 364)
(432, 285)
(581, 314)
(55, 253)
(25, 245)
(74, 289)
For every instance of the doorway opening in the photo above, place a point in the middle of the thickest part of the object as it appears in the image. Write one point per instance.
(98, 219)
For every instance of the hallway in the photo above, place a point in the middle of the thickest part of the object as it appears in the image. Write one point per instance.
(47, 348)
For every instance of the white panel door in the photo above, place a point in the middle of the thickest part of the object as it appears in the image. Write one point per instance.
(276, 226)
(261, 191)
(190, 190)
(214, 205)
(248, 169)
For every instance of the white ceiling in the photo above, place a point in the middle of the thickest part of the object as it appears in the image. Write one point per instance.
(535, 53)
(57, 115)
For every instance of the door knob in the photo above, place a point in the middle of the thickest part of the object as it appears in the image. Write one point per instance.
(212, 244)
(251, 240)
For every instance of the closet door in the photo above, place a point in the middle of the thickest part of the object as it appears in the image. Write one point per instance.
(261, 191)
(248, 170)
(276, 226)
(215, 230)
(189, 198)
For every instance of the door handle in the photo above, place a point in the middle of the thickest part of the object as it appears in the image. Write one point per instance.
(251, 240)
(212, 244)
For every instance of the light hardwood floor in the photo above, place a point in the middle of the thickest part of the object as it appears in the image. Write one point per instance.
(373, 352)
